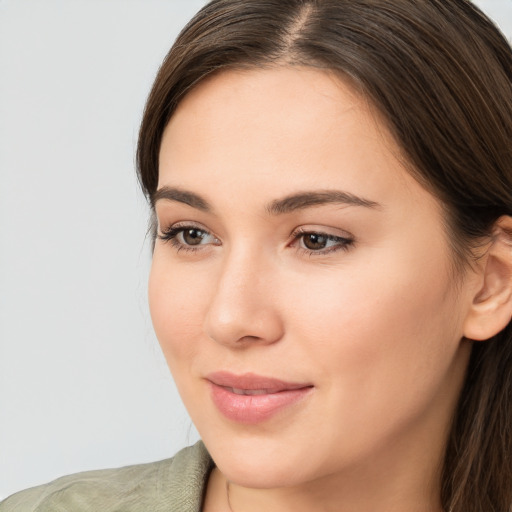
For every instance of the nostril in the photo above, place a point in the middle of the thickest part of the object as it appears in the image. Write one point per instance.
(250, 339)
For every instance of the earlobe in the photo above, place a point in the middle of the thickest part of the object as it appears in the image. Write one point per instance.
(491, 307)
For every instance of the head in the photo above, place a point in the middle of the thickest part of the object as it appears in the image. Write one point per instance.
(419, 95)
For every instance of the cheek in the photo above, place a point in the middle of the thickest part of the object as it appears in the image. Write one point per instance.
(177, 309)
(377, 330)
(381, 351)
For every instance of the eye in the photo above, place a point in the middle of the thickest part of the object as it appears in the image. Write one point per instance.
(188, 237)
(192, 236)
(314, 242)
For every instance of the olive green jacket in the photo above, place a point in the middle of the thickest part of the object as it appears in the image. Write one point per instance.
(171, 485)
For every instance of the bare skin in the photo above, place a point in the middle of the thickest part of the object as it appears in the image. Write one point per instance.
(354, 296)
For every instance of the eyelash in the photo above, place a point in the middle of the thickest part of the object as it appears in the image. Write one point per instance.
(342, 243)
(170, 235)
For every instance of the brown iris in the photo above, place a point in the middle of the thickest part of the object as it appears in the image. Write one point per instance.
(193, 236)
(314, 241)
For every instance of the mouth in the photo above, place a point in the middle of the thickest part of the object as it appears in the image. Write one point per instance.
(251, 399)
(249, 392)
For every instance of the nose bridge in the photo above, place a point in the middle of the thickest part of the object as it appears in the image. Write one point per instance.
(243, 306)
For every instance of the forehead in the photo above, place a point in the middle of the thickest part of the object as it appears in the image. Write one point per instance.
(277, 131)
(283, 84)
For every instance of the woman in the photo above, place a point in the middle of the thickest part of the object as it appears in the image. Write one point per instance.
(331, 284)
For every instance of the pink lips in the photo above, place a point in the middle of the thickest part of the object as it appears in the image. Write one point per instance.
(250, 398)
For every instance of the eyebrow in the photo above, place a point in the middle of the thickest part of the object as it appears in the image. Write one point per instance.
(181, 196)
(303, 200)
(291, 203)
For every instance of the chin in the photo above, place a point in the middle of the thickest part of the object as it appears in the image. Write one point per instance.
(260, 472)
(261, 462)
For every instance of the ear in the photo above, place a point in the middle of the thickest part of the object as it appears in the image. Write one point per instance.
(491, 307)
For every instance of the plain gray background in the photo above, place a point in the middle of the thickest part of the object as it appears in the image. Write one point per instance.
(82, 382)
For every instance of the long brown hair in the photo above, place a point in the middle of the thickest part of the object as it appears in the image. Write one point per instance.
(440, 73)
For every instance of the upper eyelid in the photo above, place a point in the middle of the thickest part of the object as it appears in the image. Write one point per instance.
(183, 225)
(326, 231)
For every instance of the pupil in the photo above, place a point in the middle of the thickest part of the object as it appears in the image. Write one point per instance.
(314, 241)
(193, 236)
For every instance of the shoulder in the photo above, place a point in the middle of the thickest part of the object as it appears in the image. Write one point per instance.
(175, 484)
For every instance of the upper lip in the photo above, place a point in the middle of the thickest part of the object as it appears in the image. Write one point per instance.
(251, 381)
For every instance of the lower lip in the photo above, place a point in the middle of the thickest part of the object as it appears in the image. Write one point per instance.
(252, 409)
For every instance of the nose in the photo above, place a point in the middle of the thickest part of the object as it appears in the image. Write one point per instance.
(245, 307)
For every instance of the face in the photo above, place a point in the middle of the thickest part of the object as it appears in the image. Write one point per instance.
(301, 286)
